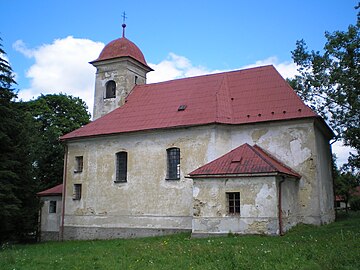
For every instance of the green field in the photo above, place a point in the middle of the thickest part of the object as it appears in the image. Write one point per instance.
(333, 246)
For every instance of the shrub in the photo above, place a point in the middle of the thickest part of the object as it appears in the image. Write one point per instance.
(355, 203)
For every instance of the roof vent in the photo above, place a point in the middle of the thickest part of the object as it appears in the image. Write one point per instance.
(182, 108)
(236, 160)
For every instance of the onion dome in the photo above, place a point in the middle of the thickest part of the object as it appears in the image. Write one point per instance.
(121, 47)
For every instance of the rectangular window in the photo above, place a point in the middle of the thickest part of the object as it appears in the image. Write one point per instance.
(233, 201)
(173, 164)
(121, 167)
(77, 192)
(78, 164)
(52, 207)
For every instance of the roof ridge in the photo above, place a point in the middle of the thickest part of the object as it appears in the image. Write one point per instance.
(217, 100)
(255, 150)
(218, 73)
(282, 164)
(223, 100)
(257, 162)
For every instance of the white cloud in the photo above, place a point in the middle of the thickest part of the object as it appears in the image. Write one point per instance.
(286, 69)
(342, 152)
(61, 66)
(174, 67)
(20, 46)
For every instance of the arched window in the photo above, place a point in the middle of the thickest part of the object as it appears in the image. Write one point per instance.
(110, 89)
(121, 167)
(173, 164)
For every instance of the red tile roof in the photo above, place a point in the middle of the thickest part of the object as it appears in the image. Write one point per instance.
(236, 97)
(121, 47)
(54, 191)
(245, 159)
(339, 198)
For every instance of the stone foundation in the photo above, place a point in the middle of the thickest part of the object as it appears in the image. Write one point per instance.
(92, 233)
(49, 236)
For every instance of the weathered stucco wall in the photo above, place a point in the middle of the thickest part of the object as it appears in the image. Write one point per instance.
(289, 202)
(295, 144)
(50, 222)
(324, 174)
(148, 201)
(258, 206)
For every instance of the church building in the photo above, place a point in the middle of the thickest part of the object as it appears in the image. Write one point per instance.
(234, 152)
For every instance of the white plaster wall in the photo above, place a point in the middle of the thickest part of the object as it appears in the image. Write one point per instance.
(258, 206)
(324, 174)
(293, 143)
(289, 202)
(50, 222)
(147, 200)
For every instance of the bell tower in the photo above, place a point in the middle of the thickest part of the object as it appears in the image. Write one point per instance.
(119, 67)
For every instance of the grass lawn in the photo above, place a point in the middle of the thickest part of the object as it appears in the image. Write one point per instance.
(333, 246)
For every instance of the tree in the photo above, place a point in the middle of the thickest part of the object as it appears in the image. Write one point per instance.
(18, 204)
(330, 83)
(54, 115)
(345, 184)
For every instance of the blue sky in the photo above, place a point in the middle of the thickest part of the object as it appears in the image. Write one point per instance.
(49, 43)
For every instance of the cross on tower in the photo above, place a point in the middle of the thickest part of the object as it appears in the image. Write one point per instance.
(123, 25)
(124, 17)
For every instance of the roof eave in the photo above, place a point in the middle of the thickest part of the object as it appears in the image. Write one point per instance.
(239, 175)
(324, 127)
(97, 62)
(179, 126)
(48, 194)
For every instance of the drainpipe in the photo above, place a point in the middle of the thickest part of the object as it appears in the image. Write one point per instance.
(64, 194)
(280, 207)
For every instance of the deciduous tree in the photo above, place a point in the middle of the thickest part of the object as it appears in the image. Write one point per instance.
(54, 115)
(329, 82)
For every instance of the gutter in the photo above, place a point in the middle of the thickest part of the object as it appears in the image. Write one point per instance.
(64, 194)
(114, 133)
(238, 175)
(280, 207)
